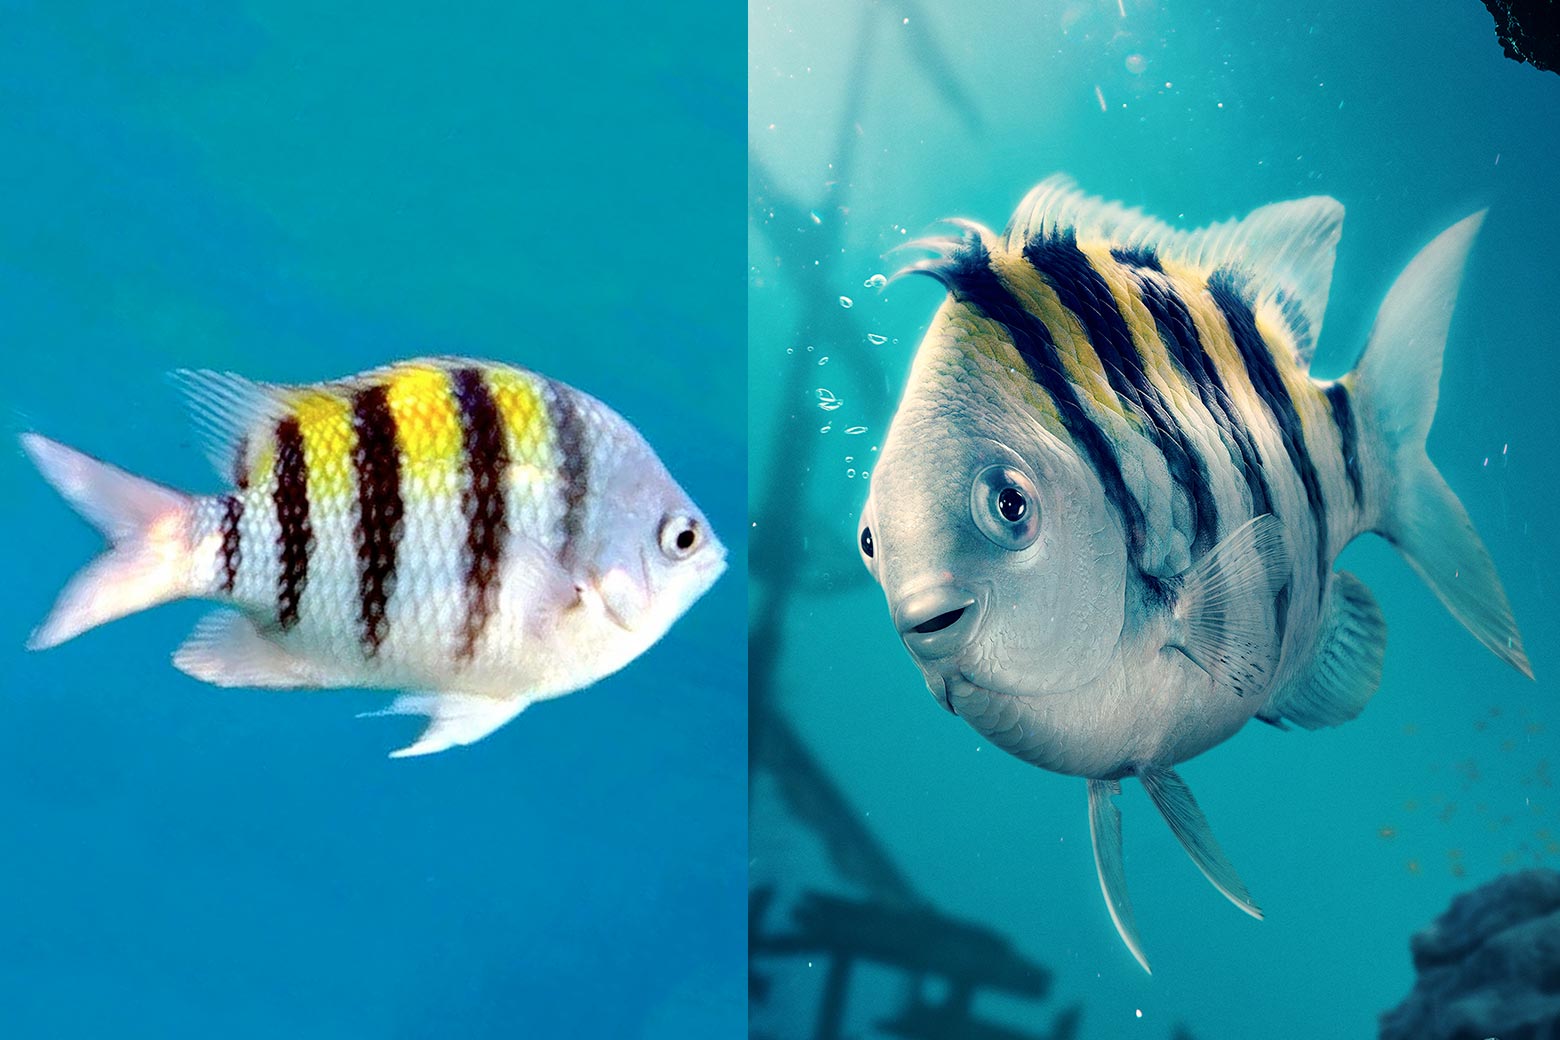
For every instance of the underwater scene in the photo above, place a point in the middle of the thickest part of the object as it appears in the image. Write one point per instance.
(294, 193)
(909, 877)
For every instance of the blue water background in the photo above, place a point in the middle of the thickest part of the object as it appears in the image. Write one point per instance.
(1351, 839)
(299, 191)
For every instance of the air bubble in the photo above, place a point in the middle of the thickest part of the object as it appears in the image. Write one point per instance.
(877, 281)
(876, 340)
(856, 430)
(847, 302)
(826, 399)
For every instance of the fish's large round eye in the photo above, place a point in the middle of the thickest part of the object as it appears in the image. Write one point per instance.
(864, 540)
(1005, 507)
(680, 537)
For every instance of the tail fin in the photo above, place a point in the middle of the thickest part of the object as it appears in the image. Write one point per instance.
(146, 525)
(1397, 382)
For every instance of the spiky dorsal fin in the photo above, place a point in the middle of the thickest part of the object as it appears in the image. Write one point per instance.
(1283, 253)
(227, 409)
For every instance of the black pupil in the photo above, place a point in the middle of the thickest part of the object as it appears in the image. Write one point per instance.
(1011, 504)
(685, 539)
(866, 541)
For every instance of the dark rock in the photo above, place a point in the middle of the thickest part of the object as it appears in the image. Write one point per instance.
(1528, 30)
(1488, 967)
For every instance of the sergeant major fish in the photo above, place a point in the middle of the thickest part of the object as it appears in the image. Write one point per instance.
(1107, 509)
(472, 531)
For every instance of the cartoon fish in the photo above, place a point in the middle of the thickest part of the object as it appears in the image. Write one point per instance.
(1107, 510)
(472, 531)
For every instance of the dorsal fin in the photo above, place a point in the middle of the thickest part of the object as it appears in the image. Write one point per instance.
(1283, 253)
(226, 409)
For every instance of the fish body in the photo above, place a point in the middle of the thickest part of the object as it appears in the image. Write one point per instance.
(474, 532)
(1107, 509)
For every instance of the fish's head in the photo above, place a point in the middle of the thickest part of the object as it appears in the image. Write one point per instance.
(648, 553)
(1003, 568)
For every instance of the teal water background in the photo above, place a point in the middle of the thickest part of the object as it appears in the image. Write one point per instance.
(299, 191)
(1350, 839)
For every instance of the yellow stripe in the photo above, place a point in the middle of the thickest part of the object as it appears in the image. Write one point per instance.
(427, 427)
(528, 432)
(1080, 364)
(986, 344)
(325, 421)
(1214, 334)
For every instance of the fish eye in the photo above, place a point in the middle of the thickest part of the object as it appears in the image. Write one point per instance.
(680, 536)
(866, 542)
(1004, 506)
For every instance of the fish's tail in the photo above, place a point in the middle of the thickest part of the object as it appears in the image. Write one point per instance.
(147, 528)
(1397, 384)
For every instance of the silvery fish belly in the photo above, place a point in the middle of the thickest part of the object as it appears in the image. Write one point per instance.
(1107, 510)
(475, 532)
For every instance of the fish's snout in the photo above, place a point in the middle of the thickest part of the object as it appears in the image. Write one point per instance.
(937, 622)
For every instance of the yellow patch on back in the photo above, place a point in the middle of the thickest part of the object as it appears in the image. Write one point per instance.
(325, 422)
(1080, 362)
(427, 427)
(528, 430)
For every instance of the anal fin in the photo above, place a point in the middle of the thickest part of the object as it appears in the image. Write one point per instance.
(1346, 669)
(226, 648)
(1175, 802)
(1217, 621)
(453, 718)
(1105, 830)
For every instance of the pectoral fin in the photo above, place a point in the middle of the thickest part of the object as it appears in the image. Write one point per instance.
(1174, 800)
(1105, 830)
(1218, 621)
(453, 718)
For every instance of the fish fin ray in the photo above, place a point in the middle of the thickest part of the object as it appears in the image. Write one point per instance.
(144, 524)
(1213, 622)
(1346, 670)
(453, 718)
(1284, 251)
(226, 408)
(228, 648)
(1105, 833)
(1397, 385)
(1175, 803)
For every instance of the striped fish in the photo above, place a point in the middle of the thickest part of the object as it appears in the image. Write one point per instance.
(472, 531)
(1106, 513)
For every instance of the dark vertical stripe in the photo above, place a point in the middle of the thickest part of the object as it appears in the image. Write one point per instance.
(1348, 438)
(1269, 385)
(482, 501)
(1084, 292)
(377, 460)
(241, 464)
(1179, 334)
(968, 276)
(1138, 256)
(292, 515)
(573, 465)
(232, 547)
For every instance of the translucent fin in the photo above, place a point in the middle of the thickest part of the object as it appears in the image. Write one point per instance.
(1175, 802)
(454, 718)
(1218, 620)
(1397, 384)
(147, 562)
(1346, 670)
(226, 648)
(1105, 830)
(1284, 252)
(226, 408)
